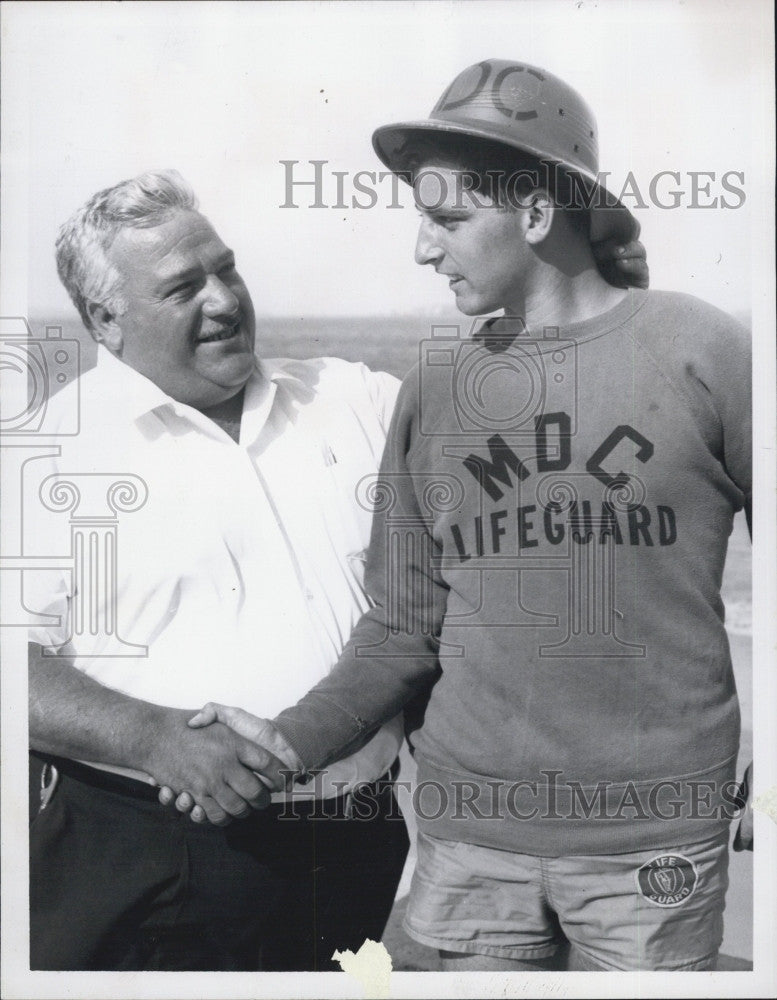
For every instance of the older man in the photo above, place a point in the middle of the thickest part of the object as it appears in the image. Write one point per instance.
(562, 489)
(240, 574)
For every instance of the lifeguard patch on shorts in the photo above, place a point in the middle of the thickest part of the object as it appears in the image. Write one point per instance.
(667, 879)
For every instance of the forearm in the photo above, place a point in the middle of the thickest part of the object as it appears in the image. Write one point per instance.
(377, 674)
(72, 715)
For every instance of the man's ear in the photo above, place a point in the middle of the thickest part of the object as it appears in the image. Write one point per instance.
(539, 218)
(105, 328)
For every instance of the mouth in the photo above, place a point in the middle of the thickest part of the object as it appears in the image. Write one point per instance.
(454, 280)
(225, 333)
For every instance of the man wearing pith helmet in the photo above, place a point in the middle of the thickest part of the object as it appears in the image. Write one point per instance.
(547, 564)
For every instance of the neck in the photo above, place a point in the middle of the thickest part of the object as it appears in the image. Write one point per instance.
(227, 414)
(564, 287)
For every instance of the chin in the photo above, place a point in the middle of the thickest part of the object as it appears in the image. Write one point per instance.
(472, 309)
(471, 305)
(236, 371)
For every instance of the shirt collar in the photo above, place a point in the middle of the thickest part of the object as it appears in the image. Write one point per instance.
(257, 401)
(138, 396)
(131, 391)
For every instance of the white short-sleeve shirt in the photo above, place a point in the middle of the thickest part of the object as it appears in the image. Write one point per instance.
(240, 576)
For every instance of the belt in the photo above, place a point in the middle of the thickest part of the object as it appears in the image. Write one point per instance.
(107, 781)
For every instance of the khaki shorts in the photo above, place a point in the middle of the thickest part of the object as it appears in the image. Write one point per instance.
(656, 909)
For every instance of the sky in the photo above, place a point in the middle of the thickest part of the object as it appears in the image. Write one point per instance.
(94, 93)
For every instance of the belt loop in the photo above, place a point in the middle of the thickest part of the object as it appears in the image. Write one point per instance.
(348, 805)
(49, 777)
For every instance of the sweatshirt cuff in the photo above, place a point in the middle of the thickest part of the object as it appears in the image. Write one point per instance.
(319, 733)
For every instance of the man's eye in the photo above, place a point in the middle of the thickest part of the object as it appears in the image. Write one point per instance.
(183, 291)
(445, 221)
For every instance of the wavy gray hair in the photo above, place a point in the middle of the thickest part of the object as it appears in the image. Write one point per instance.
(141, 202)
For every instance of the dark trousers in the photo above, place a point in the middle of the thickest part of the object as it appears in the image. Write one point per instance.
(117, 882)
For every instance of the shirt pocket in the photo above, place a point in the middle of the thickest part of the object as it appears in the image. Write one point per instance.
(350, 478)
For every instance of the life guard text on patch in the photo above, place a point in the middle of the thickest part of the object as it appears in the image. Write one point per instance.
(667, 880)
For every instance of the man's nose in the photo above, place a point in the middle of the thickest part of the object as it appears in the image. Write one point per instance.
(220, 299)
(427, 250)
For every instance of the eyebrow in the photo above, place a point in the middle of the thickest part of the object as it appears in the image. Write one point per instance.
(444, 211)
(175, 278)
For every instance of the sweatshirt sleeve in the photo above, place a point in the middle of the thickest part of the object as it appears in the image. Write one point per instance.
(733, 393)
(391, 656)
(723, 368)
(707, 356)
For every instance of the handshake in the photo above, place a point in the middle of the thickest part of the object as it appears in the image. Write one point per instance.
(223, 764)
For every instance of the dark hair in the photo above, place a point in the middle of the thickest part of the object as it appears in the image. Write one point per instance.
(508, 176)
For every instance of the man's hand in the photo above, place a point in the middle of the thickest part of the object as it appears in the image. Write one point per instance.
(250, 727)
(260, 734)
(215, 765)
(72, 715)
(743, 840)
(623, 265)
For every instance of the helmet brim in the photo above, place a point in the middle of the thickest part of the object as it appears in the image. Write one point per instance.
(610, 218)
